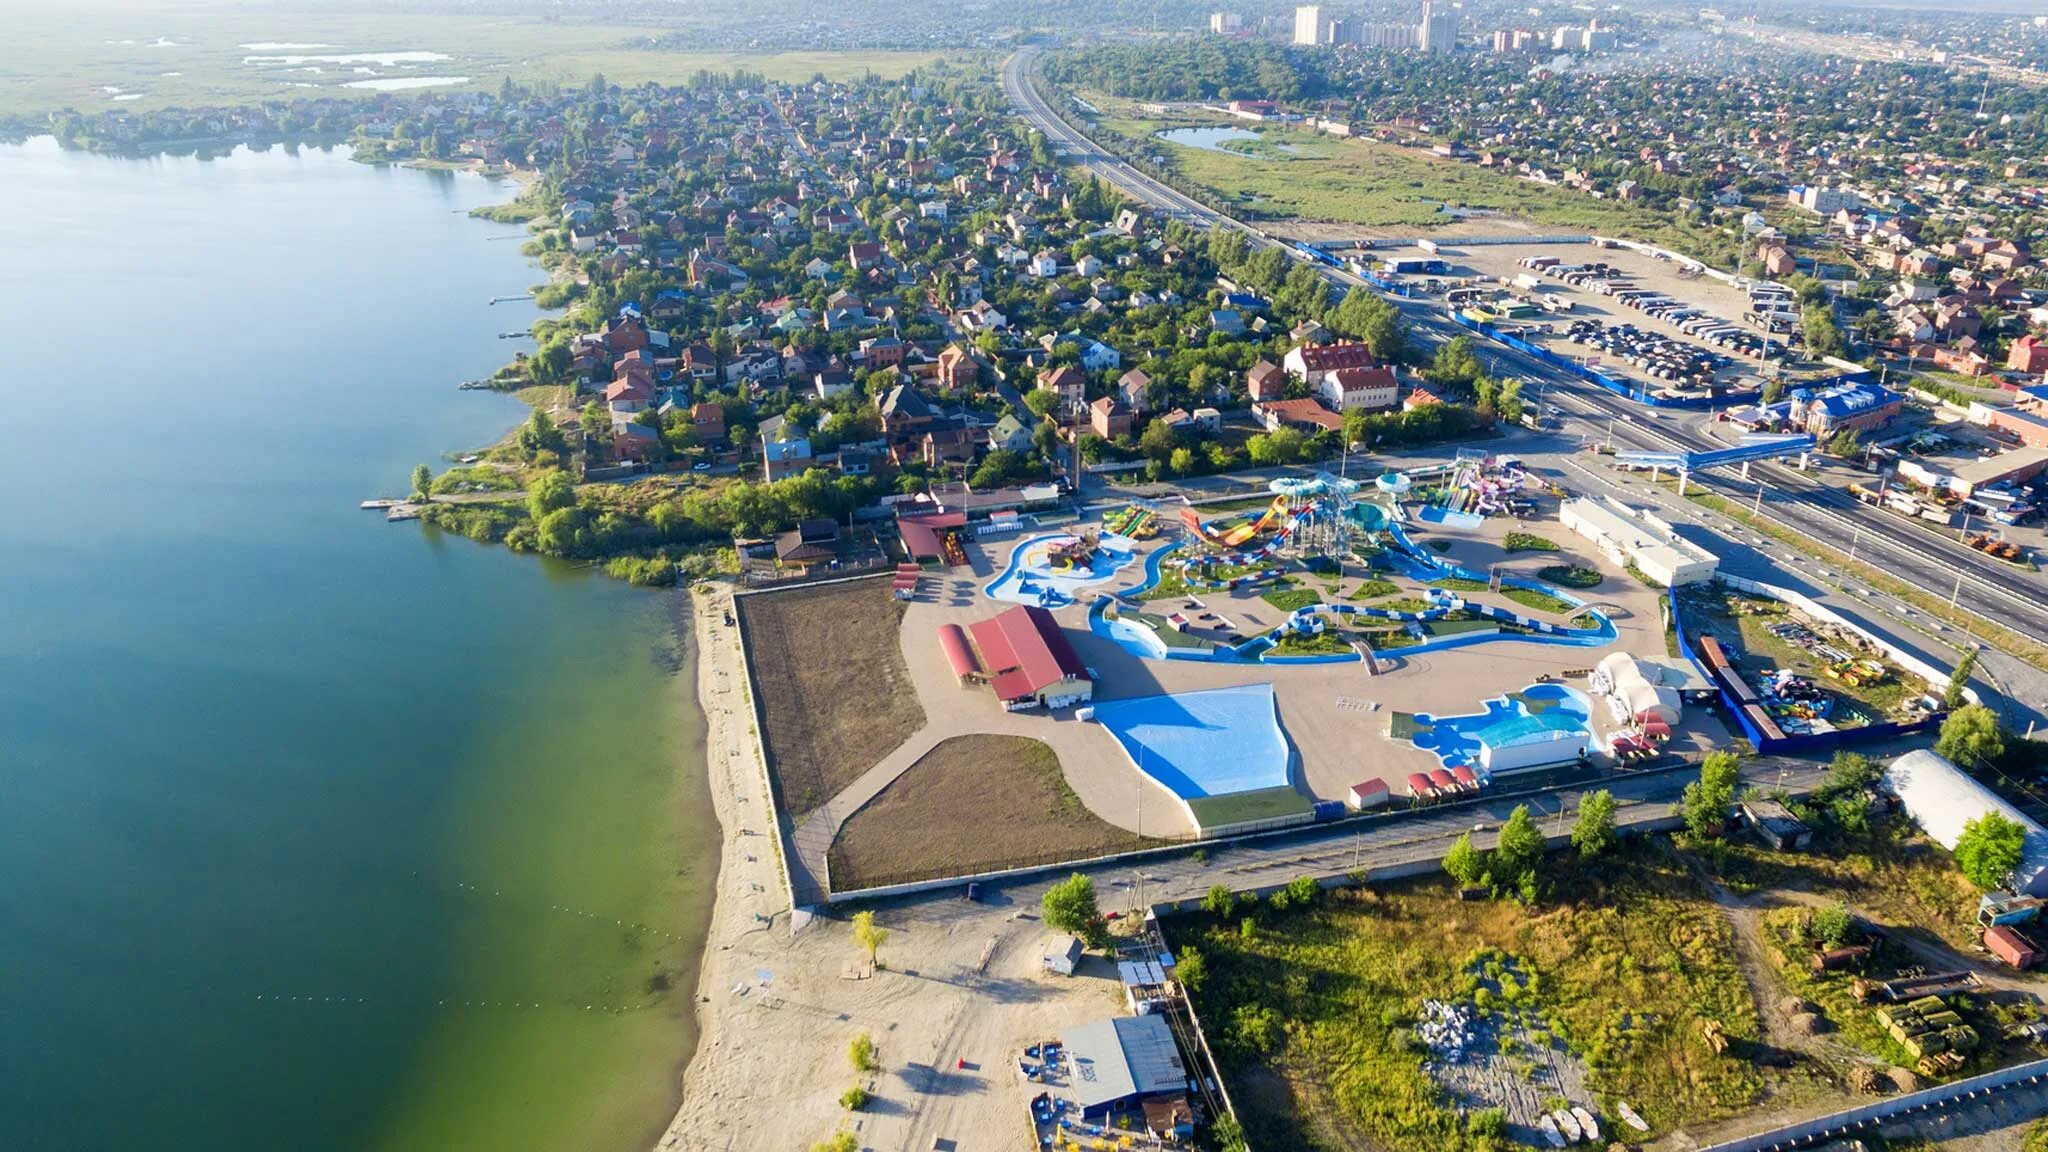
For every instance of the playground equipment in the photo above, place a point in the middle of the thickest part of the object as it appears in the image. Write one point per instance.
(1073, 555)
(1136, 521)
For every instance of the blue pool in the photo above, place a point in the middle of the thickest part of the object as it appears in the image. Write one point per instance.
(1030, 579)
(1202, 744)
(1536, 713)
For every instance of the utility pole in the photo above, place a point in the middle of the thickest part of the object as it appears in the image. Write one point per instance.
(1957, 594)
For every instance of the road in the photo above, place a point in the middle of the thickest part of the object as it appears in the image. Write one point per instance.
(1978, 584)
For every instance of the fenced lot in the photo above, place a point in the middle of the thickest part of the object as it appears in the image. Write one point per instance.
(835, 696)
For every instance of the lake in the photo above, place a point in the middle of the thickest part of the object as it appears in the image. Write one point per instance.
(1214, 139)
(315, 832)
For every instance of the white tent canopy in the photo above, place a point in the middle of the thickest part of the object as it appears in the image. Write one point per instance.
(1639, 690)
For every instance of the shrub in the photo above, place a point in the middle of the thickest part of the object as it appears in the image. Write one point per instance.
(854, 1099)
(862, 1053)
(1529, 542)
(1570, 576)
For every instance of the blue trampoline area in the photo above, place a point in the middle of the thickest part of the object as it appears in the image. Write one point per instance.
(1203, 744)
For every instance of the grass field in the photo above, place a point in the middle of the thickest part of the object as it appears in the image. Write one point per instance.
(1899, 875)
(68, 55)
(971, 804)
(1299, 173)
(835, 696)
(1540, 601)
(1313, 1011)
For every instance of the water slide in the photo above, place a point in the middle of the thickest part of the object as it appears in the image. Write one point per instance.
(1246, 531)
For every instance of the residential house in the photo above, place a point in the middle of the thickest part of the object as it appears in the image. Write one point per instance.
(1009, 435)
(1266, 381)
(1100, 357)
(784, 452)
(707, 420)
(1069, 383)
(1109, 418)
(2028, 354)
(1135, 389)
(957, 369)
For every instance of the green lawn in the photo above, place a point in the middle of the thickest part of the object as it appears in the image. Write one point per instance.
(1460, 584)
(1570, 576)
(1289, 600)
(1540, 601)
(1373, 589)
(1529, 542)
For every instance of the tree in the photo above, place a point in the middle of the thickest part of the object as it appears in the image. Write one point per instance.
(861, 1053)
(1464, 863)
(1070, 907)
(1280, 446)
(1593, 831)
(854, 1099)
(1519, 848)
(1708, 798)
(549, 492)
(1365, 316)
(1845, 444)
(1990, 849)
(1192, 969)
(1971, 735)
(422, 481)
(868, 934)
(1302, 891)
(539, 434)
(1219, 902)
(1832, 925)
(1959, 681)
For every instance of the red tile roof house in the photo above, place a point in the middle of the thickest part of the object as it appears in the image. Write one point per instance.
(1109, 417)
(1022, 655)
(1305, 414)
(2028, 354)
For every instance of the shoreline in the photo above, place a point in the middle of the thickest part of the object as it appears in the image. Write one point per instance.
(749, 884)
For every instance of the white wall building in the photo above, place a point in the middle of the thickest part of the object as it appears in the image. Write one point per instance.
(1627, 536)
(1225, 23)
(1308, 24)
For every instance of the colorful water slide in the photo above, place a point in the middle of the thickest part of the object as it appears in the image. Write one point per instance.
(1244, 532)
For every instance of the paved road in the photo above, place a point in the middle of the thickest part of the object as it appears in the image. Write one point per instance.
(1981, 585)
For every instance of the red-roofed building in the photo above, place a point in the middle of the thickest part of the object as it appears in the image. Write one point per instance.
(1309, 415)
(1309, 363)
(2028, 354)
(1027, 660)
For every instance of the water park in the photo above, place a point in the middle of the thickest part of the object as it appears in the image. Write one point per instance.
(1326, 526)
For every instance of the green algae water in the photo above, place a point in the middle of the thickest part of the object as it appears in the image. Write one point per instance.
(315, 832)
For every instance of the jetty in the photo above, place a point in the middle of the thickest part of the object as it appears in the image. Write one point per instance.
(510, 299)
(398, 512)
(380, 504)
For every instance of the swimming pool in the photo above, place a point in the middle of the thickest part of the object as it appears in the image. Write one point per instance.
(1030, 579)
(1205, 744)
(1542, 720)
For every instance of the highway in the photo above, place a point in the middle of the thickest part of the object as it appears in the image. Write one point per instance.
(1986, 587)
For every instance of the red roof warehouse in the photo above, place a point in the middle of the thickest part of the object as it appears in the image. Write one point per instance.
(1022, 655)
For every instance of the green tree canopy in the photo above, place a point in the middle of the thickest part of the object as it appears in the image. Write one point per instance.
(1593, 831)
(1708, 798)
(1070, 907)
(1463, 862)
(1989, 849)
(550, 491)
(1971, 736)
(1519, 849)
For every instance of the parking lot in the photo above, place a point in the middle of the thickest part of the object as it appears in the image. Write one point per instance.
(1641, 318)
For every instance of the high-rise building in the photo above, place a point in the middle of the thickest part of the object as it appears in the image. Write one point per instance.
(1226, 23)
(1308, 25)
(1439, 29)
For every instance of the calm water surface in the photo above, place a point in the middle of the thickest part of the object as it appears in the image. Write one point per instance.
(315, 833)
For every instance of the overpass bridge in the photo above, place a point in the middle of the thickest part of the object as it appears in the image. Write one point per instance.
(1755, 446)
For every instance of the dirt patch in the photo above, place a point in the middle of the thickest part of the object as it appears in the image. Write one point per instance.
(835, 695)
(971, 804)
